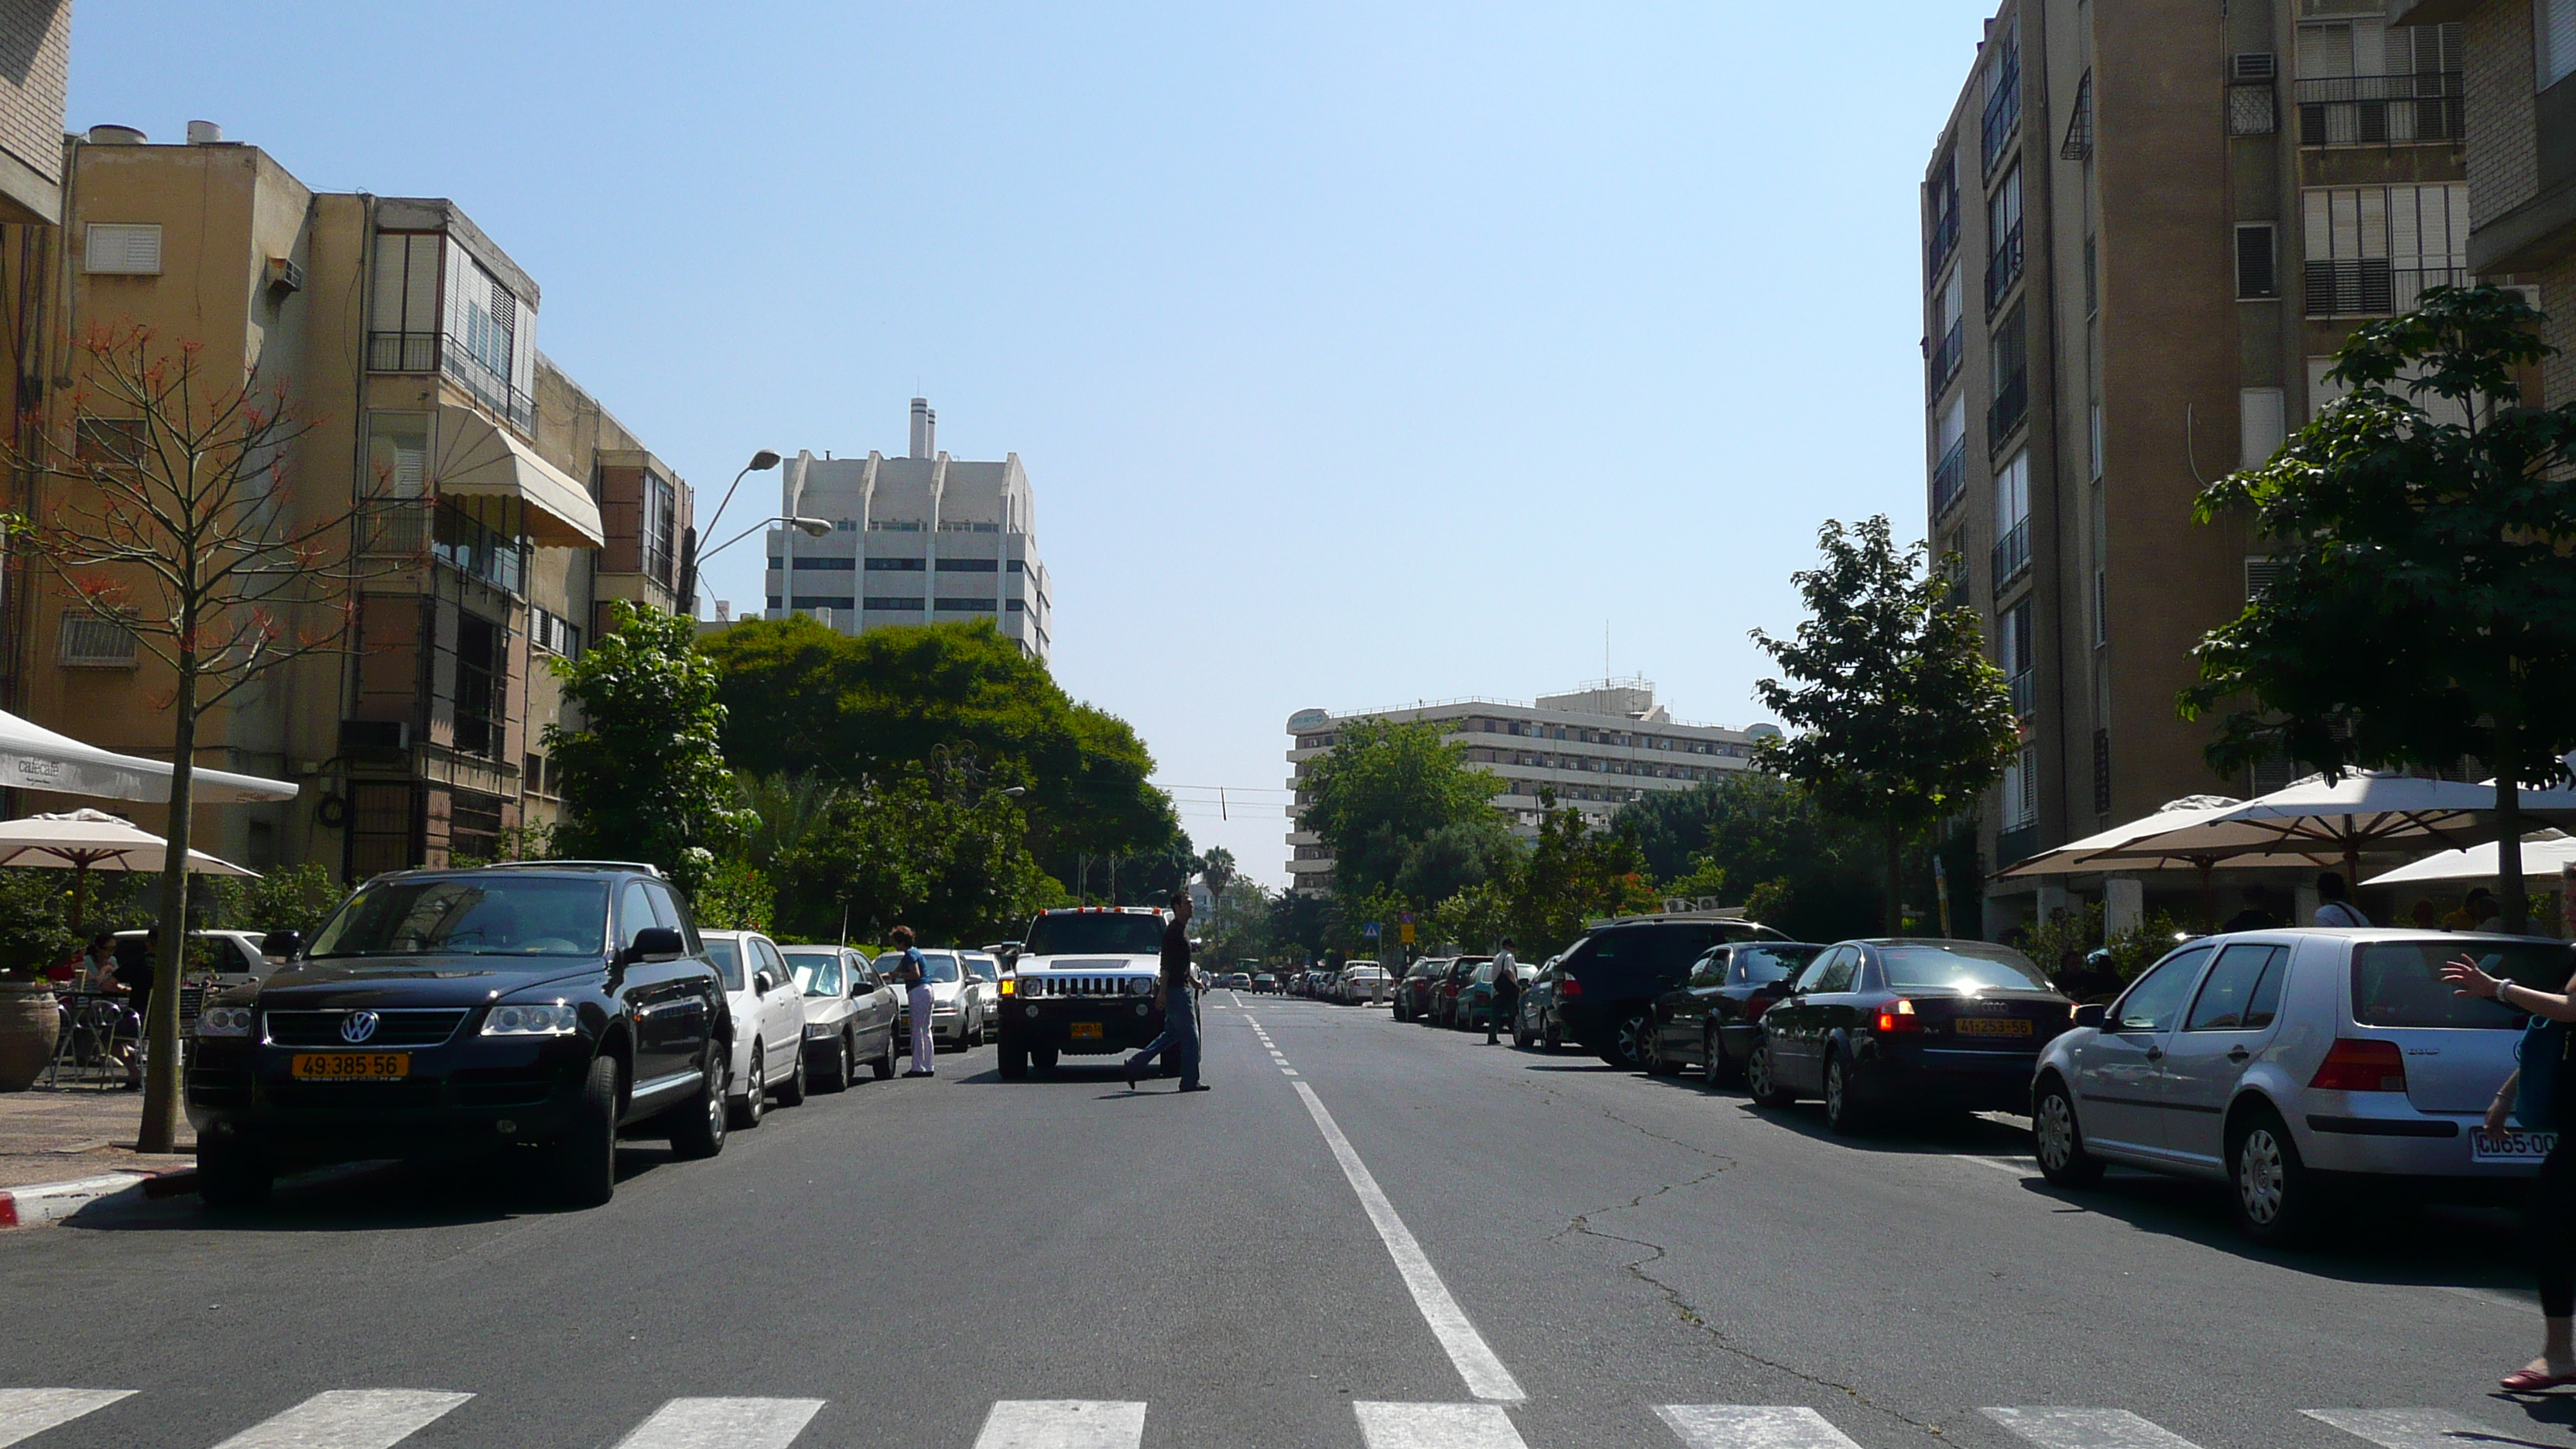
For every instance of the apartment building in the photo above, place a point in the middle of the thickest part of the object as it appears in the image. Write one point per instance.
(2146, 229)
(1595, 748)
(499, 506)
(920, 539)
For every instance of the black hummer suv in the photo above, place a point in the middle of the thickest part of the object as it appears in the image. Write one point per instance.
(538, 1007)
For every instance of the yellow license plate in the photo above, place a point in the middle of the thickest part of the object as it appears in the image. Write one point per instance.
(352, 1066)
(1085, 1031)
(1994, 1026)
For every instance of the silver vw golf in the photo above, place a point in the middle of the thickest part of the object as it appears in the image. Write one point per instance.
(2284, 1061)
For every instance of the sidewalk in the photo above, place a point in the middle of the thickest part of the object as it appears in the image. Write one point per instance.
(78, 1131)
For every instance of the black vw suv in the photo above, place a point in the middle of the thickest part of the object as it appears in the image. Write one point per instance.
(540, 1008)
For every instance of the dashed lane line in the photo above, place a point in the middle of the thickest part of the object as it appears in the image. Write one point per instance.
(1752, 1426)
(25, 1413)
(349, 1419)
(1062, 1424)
(1436, 1426)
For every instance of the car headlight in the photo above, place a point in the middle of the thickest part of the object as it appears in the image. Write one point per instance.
(1142, 986)
(535, 1018)
(224, 1021)
(815, 1030)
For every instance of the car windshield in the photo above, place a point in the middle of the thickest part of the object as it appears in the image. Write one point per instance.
(1095, 933)
(496, 913)
(1760, 965)
(935, 965)
(2395, 983)
(984, 968)
(1960, 966)
(818, 973)
(728, 961)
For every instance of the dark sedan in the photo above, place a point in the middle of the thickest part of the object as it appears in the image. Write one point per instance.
(1413, 992)
(1445, 991)
(1710, 1022)
(1878, 1027)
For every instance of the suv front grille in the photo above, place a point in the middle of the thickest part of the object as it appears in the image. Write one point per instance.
(402, 1027)
(1070, 984)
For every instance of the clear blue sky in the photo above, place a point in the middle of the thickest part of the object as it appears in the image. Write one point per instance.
(1359, 353)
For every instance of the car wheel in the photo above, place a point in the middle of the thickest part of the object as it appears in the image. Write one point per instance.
(1759, 1081)
(1656, 1063)
(585, 1165)
(1842, 1113)
(883, 1066)
(1550, 1040)
(754, 1101)
(845, 1065)
(2058, 1139)
(1630, 1040)
(698, 1126)
(1014, 1062)
(232, 1176)
(1713, 1070)
(1520, 1033)
(2276, 1195)
(791, 1093)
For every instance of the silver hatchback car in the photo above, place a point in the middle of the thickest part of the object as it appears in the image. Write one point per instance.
(2279, 1061)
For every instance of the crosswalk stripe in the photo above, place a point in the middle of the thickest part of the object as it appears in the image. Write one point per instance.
(1436, 1426)
(2410, 1428)
(1752, 1426)
(2087, 1429)
(730, 1423)
(25, 1413)
(1062, 1424)
(349, 1419)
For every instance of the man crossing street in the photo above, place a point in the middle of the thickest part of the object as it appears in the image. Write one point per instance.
(1178, 1046)
(1506, 1004)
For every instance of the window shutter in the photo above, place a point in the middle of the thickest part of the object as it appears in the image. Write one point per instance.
(2257, 268)
(123, 249)
(2554, 41)
(2260, 423)
(2259, 574)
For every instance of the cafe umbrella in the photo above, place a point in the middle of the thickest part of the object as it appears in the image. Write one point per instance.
(81, 841)
(2106, 851)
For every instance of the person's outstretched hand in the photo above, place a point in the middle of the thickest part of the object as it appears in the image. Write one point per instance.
(2465, 979)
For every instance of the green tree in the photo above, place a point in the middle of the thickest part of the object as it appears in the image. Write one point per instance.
(1574, 874)
(940, 852)
(1387, 787)
(1900, 719)
(289, 898)
(1763, 842)
(2422, 607)
(644, 776)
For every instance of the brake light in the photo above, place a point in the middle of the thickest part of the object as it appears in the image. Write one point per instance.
(2361, 1064)
(1567, 987)
(1898, 1015)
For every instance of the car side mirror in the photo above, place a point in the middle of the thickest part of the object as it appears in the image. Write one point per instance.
(656, 943)
(281, 945)
(2092, 1014)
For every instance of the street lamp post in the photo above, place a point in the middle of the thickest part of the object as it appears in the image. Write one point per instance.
(761, 462)
(810, 527)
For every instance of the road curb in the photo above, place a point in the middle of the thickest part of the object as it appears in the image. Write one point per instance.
(45, 1202)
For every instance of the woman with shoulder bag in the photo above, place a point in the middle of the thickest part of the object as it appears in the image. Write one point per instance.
(918, 1003)
(2540, 1096)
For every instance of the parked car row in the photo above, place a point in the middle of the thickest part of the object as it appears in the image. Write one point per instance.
(543, 1008)
(2294, 1066)
(1353, 983)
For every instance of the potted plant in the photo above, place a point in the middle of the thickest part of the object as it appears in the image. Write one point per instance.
(33, 936)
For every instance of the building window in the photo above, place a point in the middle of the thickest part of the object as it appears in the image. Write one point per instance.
(2365, 83)
(110, 442)
(2012, 520)
(2253, 103)
(554, 633)
(2021, 790)
(2001, 120)
(2260, 425)
(1950, 457)
(2078, 145)
(122, 249)
(2553, 38)
(892, 565)
(2258, 275)
(403, 332)
(2374, 249)
(2003, 238)
(482, 685)
(661, 530)
(1949, 335)
(892, 603)
(2013, 656)
(969, 566)
(2259, 574)
(1941, 215)
(89, 641)
(2011, 381)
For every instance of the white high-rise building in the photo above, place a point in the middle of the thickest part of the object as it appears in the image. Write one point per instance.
(920, 539)
(1596, 748)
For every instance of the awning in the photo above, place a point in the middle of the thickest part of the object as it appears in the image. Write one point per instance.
(35, 758)
(477, 458)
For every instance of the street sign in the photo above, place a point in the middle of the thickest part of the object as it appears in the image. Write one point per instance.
(1369, 930)
(1404, 933)
(1404, 918)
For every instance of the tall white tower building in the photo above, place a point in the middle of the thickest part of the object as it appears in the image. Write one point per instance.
(920, 539)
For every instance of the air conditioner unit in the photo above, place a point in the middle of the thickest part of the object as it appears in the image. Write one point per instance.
(375, 737)
(284, 275)
(2253, 65)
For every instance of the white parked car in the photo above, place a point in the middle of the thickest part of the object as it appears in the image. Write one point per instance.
(850, 1015)
(2269, 1058)
(768, 1010)
(984, 978)
(957, 1016)
(1361, 982)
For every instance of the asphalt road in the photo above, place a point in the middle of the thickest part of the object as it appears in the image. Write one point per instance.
(1041, 1265)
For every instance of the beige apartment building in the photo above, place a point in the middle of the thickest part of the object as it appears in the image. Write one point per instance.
(501, 507)
(2146, 228)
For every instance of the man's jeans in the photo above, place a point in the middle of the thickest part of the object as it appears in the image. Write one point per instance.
(1178, 1046)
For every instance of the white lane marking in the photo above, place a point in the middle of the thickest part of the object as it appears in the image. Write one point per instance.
(1287, 1071)
(25, 1413)
(723, 1424)
(349, 1419)
(2087, 1429)
(1436, 1426)
(2022, 1168)
(1752, 1426)
(1485, 1375)
(1062, 1424)
(2411, 1428)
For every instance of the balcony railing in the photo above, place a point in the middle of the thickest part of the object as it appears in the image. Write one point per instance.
(1943, 364)
(1949, 477)
(2003, 268)
(439, 353)
(2002, 118)
(2004, 414)
(2012, 554)
(2023, 692)
(1943, 241)
(2373, 286)
(2380, 110)
(393, 527)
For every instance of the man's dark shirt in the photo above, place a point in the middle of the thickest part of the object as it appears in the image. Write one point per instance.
(1176, 956)
(2252, 918)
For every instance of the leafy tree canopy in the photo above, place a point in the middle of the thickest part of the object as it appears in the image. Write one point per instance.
(1384, 792)
(1897, 716)
(936, 852)
(1752, 837)
(2423, 606)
